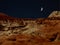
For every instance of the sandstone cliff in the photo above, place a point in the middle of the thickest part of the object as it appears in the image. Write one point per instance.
(23, 31)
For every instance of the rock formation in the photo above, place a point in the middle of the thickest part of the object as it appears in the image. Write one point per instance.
(23, 31)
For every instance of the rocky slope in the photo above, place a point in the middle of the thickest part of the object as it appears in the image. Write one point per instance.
(23, 31)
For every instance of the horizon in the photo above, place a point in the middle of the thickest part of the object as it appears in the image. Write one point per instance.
(29, 8)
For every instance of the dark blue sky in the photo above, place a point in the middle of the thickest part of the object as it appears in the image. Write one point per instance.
(28, 8)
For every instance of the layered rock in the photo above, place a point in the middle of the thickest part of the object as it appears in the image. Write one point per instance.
(23, 31)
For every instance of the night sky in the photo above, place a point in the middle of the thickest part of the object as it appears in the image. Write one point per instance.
(28, 8)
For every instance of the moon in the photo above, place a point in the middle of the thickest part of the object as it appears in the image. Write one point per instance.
(41, 8)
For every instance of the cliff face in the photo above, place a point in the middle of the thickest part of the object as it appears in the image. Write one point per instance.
(23, 31)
